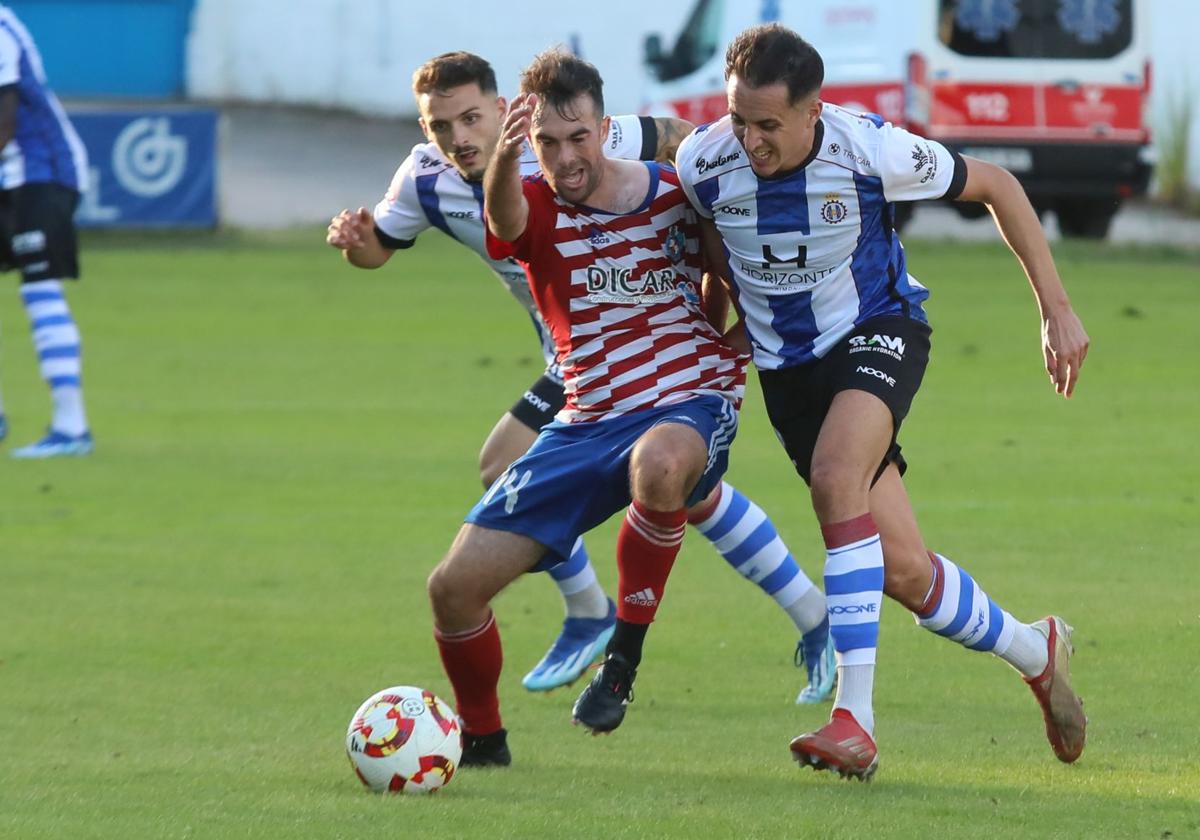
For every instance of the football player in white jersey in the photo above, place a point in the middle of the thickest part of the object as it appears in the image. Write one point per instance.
(438, 186)
(797, 196)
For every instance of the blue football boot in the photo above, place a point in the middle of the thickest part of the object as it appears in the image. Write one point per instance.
(815, 652)
(579, 643)
(56, 444)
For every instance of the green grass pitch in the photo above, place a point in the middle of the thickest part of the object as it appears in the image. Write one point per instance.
(285, 447)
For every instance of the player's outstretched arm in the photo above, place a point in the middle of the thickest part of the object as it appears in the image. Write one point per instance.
(671, 131)
(1064, 340)
(353, 233)
(503, 196)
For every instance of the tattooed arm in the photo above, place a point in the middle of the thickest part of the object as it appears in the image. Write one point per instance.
(671, 132)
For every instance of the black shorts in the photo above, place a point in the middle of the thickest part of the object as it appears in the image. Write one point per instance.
(540, 403)
(37, 232)
(884, 356)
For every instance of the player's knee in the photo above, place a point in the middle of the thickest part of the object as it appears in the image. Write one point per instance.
(662, 475)
(836, 487)
(450, 593)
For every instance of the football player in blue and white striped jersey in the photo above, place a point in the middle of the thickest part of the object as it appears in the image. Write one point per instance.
(797, 200)
(43, 168)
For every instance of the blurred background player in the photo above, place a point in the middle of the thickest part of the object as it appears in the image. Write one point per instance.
(651, 390)
(841, 341)
(439, 185)
(42, 171)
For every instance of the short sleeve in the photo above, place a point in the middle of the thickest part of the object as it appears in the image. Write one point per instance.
(629, 136)
(10, 59)
(687, 179)
(914, 168)
(398, 215)
(541, 219)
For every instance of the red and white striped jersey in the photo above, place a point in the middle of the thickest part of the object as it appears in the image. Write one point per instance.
(621, 295)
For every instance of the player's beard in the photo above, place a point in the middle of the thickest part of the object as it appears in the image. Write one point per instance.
(473, 168)
(580, 193)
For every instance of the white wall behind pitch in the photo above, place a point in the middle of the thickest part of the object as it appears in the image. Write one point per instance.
(359, 54)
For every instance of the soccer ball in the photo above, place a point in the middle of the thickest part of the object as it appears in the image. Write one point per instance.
(404, 739)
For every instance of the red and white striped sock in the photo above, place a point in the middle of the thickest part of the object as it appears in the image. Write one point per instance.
(472, 660)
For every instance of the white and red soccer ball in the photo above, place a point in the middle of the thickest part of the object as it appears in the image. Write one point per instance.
(404, 739)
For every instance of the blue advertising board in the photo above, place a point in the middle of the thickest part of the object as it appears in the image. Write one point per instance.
(126, 48)
(149, 167)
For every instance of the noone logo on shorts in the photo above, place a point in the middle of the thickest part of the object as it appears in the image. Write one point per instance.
(878, 374)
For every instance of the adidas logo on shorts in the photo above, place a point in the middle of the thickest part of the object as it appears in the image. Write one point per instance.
(645, 598)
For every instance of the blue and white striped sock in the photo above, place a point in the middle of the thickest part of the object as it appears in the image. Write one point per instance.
(56, 339)
(958, 609)
(576, 580)
(745, 536)
(854, 591)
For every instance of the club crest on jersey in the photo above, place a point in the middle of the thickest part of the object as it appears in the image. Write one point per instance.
(833, 210)
(675, 244)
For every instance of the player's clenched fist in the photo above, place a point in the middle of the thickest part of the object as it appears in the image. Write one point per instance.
(348, 229)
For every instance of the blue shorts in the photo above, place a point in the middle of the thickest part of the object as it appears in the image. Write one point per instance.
(576, 475)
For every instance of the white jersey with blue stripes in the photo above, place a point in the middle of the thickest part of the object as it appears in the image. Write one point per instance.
(812, 252)
(45, 147)
(427, 191)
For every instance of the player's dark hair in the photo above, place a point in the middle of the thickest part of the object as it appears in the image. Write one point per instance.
(451, 70)
(559, 78)
(771, 53)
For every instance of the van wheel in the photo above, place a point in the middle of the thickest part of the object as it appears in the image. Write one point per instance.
(1085, 219)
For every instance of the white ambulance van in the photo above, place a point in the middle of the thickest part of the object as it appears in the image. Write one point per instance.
(1056, 91)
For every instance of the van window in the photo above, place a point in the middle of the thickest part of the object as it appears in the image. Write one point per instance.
(698, 42)
(1065, 29)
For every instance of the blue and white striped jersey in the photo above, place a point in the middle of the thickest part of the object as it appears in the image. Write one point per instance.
(812, 252)
(427, 191)
(45, 148)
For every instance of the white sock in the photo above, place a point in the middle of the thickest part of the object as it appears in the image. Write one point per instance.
(69, 416)
(808, 610)
(590, 602)
(854, 687)
(1028, 651)
(576, 582)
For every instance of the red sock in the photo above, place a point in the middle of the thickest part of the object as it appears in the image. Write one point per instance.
(647, 545)
(472, 660)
